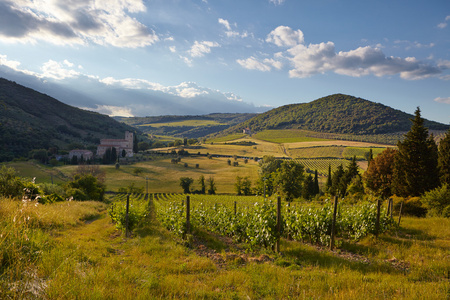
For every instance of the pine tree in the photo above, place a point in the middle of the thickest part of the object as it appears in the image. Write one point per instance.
(444, 159)
(415, 167)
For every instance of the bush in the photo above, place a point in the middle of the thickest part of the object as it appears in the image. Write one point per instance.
(136, 212)
(437, 202)
(86, 187)
(10, 184)
(411, 206)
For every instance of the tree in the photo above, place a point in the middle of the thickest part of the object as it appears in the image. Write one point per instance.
(135, 143)
(113, 155)
(211, 186)
(379, 174)
(329, 180)
(86, 187)
(308, 187)
(238, 185)
(415, 167)
(142, 146)
(289, 179)
(338, 187)
(316, 189)
(10, 184)
(444, 159)
(185, 183)
(246, 186)
(201, 181)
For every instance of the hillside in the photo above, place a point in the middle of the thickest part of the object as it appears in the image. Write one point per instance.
(186, 126)
(336, 113)
(32, 120)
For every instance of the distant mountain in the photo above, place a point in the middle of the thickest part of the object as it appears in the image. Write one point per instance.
(335, 114)
(32, 120)
(186, 126)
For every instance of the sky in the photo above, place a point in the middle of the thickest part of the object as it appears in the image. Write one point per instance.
(192, 57)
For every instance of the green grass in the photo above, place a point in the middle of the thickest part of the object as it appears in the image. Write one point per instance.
(30, 169)
(92, 260)
(360, 152)
(317, 152)
(230, 137)
(285, 136)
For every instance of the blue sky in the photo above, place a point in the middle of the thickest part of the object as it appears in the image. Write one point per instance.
(153, 57)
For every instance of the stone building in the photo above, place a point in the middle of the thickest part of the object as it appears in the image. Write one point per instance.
(79, 153)
(120, 145)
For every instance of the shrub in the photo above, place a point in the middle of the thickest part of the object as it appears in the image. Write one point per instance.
(437, 201)
(10, 184)
(86, 187)
(411, 206)
(136, 212)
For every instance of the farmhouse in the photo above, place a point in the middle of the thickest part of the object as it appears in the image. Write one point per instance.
(79, 153)
(120, 145)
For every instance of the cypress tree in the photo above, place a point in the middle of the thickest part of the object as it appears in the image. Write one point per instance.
(415, 166)
(316, 183)
(329, 180)
(444, 159)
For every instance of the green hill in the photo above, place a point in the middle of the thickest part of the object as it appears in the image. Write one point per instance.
(32, 120)
(337, 113)
(186, 126)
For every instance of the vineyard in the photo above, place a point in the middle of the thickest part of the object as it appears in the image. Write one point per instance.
(253, 221)
(321, 165)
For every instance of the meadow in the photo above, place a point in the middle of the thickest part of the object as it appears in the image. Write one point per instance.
(73, 250)
(79, 254)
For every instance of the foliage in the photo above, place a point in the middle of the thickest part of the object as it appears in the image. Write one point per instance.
(415, 169)
(411, 206)
(437, 201)
(255, 224)
(444, 159)
(378, 177)
(185, 183)
(10, 184)
(336, 113)
(137, 211)
(32, 120)
(86, 187)
(289, 179)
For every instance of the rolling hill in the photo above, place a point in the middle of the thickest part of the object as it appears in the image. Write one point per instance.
(336, 113)
(32, 120)
(186, 126)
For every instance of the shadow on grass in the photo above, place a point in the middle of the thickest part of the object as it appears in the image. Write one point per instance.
(306, 255)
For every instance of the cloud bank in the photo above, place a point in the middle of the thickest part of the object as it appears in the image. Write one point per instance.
(123, 97)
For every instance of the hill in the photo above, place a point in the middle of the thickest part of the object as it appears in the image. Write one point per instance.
(32, 120)
(336, 113)
(186, 126)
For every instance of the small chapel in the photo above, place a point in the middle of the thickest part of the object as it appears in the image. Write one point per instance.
(120, 145)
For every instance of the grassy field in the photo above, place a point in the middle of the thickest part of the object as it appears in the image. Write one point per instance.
(285, 136)
(73, 251)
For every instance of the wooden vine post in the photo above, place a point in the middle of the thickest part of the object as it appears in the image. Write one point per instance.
(235, 208)
(278, 224)
(188, 214)
(333, 224)
(377, 223)
(126, 217)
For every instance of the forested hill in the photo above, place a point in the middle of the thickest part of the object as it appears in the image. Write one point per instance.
(336, 113)
(32, 120)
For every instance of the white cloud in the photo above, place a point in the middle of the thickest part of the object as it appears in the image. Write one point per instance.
(104, 22)
(277, 2)
(56, 70)
(284, 36)
(444, 24)
(112, 111)
(173, 49)
(442, 100)
(199, 49)
(308, 60)
(225, 23)
(252, 63)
